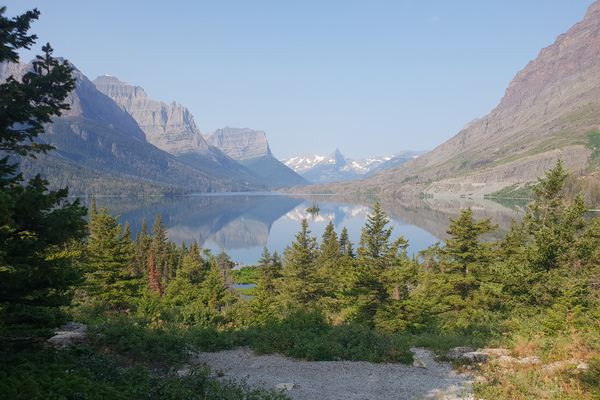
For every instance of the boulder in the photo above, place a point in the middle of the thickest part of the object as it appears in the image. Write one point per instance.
(69, 334)
(418, 363)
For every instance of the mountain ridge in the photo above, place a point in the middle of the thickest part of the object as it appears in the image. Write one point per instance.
(171, 127)
(337, 167)
(100, 146)
(250, 148)
(550, 109)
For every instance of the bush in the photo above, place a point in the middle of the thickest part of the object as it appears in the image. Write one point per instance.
(306, 335)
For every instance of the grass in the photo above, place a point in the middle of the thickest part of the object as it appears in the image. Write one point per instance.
(83, 372)
(557, 377)
(515, 191)
(246, 275)
(133, 357)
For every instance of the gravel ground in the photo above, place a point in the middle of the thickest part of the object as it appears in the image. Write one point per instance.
(332, 380)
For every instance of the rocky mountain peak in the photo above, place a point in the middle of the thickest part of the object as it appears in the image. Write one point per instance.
(240, 143)
(169, 127)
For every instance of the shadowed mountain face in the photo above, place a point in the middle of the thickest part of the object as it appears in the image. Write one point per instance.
(251, 149)
(101, 149)
(171, 128)
(551, 109)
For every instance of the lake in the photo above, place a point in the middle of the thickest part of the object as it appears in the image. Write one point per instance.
(244, 223)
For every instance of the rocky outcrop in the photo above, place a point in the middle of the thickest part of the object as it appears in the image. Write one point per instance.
(69, 334)
(250, 148)
(169, 127)
(240, 144)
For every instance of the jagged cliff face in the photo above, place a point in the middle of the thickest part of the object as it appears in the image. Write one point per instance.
(549, 110)
(169, 127)
(100, 149)
(240, 144)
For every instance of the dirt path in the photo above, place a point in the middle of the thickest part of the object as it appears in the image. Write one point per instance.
(332, 380)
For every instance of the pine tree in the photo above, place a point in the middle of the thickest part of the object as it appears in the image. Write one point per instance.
(159, 246)
(346, 244)
(264, 302)
(141, 250)
(224, 266)
(109, 254)
(558, 263)
(463, 270)
(329, 262)
(300, 282)
(377, 258)
(37, 227)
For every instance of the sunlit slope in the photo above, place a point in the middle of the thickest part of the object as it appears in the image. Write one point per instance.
(551, 109)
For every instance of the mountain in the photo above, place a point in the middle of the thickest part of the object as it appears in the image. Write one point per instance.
(171, 128)
(101, 149)
(251, 149)
(551, 109)
(337, 167)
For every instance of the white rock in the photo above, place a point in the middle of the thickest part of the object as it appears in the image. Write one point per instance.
(530, 360)
(285, 386)
(418, 363)
(475, 357)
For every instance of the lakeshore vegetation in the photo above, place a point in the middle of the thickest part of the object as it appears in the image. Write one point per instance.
(148, 303)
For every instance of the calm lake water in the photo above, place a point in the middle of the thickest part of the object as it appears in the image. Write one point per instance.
(243, 224)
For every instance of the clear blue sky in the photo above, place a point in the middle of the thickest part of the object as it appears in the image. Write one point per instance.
(368, 77)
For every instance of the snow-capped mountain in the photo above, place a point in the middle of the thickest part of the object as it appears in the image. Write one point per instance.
(337, 167)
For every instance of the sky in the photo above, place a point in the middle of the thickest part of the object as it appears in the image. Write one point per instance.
(370, 78)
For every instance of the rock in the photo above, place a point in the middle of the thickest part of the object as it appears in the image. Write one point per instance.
(530, 360)
(560, 365)
(73, 327)
(457, 352)
(285, 386)
(475, 357)
(418, 363)
(169, 127)
(496, 352)
(240, 144)
(69, 334)
(583, 367)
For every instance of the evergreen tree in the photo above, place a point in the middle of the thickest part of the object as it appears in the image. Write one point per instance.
(30, 103)
(377, 259)
(36, 226)
(265, 298)
(110, 252)
(269, 271)
(329, 262)
(159, 246)
(554, 223)
(346, 244)
(559, 257)
(459, 273)
(300, 283)
(141, 250)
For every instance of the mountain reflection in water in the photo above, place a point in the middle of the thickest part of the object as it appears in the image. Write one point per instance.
(242, 224)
